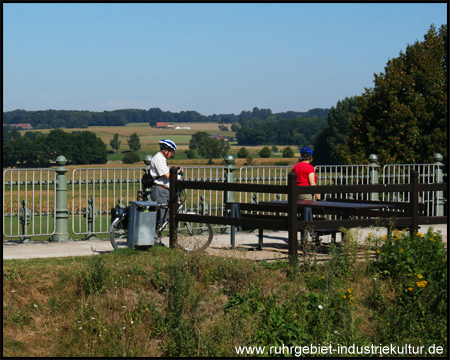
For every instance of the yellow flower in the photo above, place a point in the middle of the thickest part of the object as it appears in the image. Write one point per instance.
(322, 278)
(401, 250)
(378, 251)
(419, 276)
(421, 283)
(344, 296)
(410, 289)
(349, 290)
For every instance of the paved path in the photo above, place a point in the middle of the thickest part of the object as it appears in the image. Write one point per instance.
(275, 245)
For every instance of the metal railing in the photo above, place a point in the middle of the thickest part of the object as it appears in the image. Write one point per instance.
(428, 174)
(29, 195)
(28, 202)
(95, 191)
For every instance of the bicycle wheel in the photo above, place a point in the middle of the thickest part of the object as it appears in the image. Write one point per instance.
(195, 236)
(119, 233)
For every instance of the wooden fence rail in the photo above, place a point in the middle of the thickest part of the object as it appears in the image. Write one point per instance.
(398, 215)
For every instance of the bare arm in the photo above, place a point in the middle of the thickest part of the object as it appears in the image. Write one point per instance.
(167, 175)
(312, 182)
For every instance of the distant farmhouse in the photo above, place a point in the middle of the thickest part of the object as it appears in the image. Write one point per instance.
(161, 125)
(219, 137)
(22, 126)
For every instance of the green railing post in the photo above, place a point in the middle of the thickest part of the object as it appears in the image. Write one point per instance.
(25, 218)
(229, 196)
(373, 175)
(203, 207)
(439, 179)
(90, 213)
(148, 161)
(230, 177)
(61, 210)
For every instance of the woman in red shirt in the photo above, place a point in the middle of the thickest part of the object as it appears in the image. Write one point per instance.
(306, 175)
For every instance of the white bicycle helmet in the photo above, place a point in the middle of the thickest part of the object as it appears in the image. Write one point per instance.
(167, 144)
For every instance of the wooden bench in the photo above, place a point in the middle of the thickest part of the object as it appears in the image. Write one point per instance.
(237, 208)
(396, 207)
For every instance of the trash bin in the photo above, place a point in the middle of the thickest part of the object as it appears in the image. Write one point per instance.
(141, 223)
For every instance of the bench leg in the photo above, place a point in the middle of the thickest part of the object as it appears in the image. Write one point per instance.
(304, 242)
(233, 237)
(333, 237)
(260, 239)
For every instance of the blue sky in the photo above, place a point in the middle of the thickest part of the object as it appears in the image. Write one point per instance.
(211, 58)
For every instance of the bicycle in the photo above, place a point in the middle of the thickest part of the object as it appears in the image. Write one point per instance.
(191, 236)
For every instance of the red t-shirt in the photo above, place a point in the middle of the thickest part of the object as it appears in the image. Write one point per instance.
(303, 169)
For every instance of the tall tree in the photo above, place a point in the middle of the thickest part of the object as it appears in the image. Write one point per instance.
(336, 133)
(134, 142)
(87, 148)
(208, 147)
(403, 119)
(115, 143)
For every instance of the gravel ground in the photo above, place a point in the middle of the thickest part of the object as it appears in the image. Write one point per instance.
(275, 245)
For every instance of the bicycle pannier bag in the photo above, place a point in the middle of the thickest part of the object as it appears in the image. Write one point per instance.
(147, 180)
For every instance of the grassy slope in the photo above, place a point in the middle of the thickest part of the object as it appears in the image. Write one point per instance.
(168, 303)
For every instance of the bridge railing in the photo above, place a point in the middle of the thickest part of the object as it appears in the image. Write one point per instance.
(87, 195)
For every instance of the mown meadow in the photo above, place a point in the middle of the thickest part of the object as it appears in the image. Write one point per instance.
(165, 302)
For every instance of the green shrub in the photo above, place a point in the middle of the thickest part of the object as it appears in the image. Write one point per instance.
(190, 154)
(243, 153)
(288, 152)
(131, 158)
(265, 152)
(417, 267)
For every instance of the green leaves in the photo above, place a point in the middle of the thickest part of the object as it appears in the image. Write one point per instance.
(208, 147)
(274, 130)
(403, 119)
(79, 147)
(134, 142)
(115, 143)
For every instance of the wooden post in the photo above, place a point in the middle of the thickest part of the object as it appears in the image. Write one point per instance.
(292, 217)
(173, 206)
(414, 201)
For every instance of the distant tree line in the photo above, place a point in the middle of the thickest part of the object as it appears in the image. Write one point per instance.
(36, 149)
(57, 119)
(272, 130)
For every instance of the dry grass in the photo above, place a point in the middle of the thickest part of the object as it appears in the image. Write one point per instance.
(169, 303)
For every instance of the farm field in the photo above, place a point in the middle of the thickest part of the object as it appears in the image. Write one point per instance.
(149, 138)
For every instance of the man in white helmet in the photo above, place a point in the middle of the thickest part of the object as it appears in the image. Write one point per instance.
(161, 173)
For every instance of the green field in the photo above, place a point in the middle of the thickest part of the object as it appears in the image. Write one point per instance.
(149, 138)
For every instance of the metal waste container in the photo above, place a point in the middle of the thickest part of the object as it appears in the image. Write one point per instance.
(141, 223)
